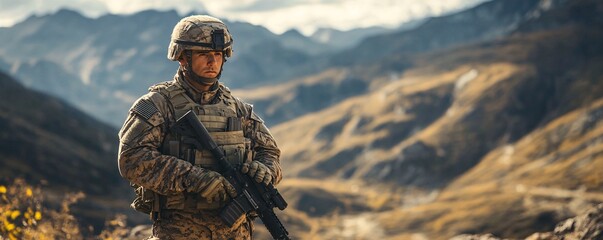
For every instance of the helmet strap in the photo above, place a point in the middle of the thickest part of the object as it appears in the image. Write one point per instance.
(194, 76)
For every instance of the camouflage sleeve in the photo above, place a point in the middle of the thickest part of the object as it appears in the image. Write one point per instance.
(264, 146)
(139, 159)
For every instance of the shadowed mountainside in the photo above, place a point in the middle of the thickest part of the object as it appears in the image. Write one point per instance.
(44, 140)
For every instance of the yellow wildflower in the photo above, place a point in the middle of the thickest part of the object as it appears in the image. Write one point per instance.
(9, 226)
(14, 214)
(2, 189)
(28, 192)
(38, 215)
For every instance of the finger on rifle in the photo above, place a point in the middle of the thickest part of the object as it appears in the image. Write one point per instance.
(259, 175)
(267, 179)
(248, 160)
(232, 192)
(253, 168)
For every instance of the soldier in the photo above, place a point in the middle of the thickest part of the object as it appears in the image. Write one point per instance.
(179, 185)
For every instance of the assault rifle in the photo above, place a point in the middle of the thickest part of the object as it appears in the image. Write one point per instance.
(251, 195)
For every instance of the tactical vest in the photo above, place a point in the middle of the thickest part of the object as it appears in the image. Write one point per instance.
(224, 123)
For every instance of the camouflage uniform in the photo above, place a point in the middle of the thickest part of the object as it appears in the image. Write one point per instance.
(167, 172)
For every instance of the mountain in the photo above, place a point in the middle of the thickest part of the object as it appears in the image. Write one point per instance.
(339, 40)
(46, 140)
(51, 78)
(330, 79)
(114, 71)
(4, 66)
(116, 58)
(499, 136)
(486, 21)
(293, 39)
(494, 130)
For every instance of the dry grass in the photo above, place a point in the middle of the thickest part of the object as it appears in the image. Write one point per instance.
(25, 217)
(506, 193)
(368, 111)
(280, 91)
(539, 179)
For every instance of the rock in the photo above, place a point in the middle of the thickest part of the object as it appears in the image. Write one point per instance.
(140, 232)
(475, 237)
(542, 236)
(585, 226)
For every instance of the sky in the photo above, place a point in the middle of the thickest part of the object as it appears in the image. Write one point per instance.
(277, 15)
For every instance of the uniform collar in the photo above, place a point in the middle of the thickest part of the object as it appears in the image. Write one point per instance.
(200, 97)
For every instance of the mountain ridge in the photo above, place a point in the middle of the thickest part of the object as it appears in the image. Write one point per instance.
(389, 60)
(89, 49)
(500, 136)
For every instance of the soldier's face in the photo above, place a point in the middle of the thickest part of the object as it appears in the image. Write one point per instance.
(207, 64)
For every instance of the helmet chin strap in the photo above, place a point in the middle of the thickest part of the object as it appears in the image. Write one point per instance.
(194, 76)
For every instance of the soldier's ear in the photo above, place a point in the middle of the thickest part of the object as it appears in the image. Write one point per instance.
(182, 61)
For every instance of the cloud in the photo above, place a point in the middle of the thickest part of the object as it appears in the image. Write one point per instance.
(266, 5)
(132, 6)
(16, 11)
(277, 15)
(309, 15)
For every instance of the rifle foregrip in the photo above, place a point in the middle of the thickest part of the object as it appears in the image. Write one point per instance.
(274, 225)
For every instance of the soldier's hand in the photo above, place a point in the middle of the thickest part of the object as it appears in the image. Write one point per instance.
(218, 189)
(258, 171)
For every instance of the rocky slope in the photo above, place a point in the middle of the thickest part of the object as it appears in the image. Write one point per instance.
(500, 136)
(586, 226)
(385, 57)
(492, 93)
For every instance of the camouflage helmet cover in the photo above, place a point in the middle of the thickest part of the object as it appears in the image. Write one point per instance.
(199, 32)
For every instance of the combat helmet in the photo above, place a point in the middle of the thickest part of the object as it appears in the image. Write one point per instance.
(199, 32)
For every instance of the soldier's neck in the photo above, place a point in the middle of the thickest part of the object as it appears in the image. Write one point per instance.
(201, 87)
